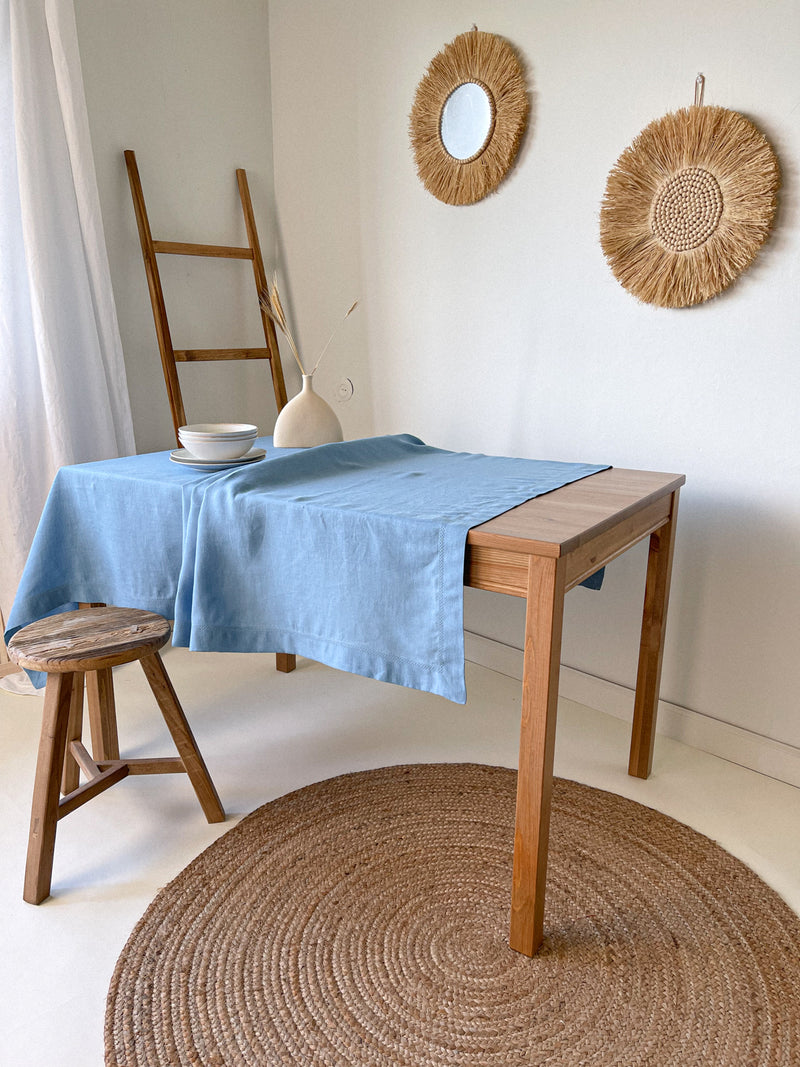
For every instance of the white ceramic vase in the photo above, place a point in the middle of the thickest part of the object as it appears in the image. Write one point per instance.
(307, 420)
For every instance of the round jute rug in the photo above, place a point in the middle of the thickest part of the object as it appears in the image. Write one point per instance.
(363, 921)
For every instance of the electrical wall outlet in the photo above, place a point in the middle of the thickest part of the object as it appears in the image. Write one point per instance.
(344, 391)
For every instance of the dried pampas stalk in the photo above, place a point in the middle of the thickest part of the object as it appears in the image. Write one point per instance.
(490, 62)
(270, 300)
(688, 205)
(347, 314)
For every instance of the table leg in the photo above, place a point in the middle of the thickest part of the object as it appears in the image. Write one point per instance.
(543, 626)
(651, 647)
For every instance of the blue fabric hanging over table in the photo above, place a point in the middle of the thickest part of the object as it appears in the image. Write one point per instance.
(351, 554)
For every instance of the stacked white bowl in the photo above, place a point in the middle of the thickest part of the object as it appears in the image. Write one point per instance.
(217, 442)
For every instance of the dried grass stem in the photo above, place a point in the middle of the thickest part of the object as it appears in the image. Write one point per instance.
(271, 305)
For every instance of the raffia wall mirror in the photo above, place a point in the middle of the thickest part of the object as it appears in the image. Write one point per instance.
(469, 115)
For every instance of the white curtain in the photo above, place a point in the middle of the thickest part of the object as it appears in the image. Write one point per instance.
(63, 392)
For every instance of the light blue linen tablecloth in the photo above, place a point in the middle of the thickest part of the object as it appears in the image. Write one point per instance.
(351, 554)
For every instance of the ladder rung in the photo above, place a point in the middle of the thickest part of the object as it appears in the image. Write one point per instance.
(177, 248)
(198, 355)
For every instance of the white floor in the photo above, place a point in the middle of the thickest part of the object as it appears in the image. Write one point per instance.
(264, 734)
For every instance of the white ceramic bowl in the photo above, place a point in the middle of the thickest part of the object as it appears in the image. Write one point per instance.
(219, 429)
(218, 441)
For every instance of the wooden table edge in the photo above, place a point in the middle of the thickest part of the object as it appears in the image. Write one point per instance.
(591, 525)
(502, 531)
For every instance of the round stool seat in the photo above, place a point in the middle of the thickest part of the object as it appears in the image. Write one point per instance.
(90, 639)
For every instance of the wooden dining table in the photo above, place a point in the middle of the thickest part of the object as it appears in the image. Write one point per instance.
(539, 551)
(90, 548)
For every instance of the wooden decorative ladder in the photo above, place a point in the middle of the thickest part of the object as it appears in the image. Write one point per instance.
(171, 356)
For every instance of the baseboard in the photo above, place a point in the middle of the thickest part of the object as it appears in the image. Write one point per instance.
(733, 743)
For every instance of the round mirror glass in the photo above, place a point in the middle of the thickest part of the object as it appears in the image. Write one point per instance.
(466, 122)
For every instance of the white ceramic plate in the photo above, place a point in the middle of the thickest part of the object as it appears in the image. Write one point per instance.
(180, 455)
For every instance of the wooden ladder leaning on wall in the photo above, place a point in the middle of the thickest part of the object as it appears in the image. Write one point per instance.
(170, 356)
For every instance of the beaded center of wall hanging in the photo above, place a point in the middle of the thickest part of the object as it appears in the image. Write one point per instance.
(686, 210)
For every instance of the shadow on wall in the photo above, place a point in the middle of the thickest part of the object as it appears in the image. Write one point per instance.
(734, 560)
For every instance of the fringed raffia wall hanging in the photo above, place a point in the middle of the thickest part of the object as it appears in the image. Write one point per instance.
(468, 117)
(689, 204)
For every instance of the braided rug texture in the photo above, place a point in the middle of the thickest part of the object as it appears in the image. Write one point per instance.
(364, 921)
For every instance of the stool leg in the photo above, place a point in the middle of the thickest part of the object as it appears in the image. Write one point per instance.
(44, 809)
(182, 736)
(102, 714)
(71, 775)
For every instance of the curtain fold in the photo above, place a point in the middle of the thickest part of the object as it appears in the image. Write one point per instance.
(63, 391)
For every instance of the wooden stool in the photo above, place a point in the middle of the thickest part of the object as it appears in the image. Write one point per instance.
(92, 641)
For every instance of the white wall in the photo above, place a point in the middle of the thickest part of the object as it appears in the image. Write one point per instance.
(499, 328)
(495, 327)
(186, 85)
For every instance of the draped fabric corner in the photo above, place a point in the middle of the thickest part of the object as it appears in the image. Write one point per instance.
(351, 554)
(64, 396)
